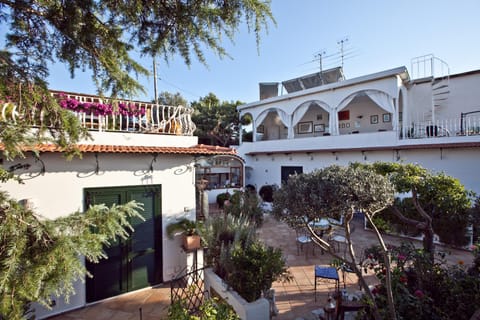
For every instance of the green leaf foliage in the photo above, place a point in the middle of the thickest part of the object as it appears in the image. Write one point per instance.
(217, 121)
(441, 196)
(40, 257)
(210, 309)
(331, 192)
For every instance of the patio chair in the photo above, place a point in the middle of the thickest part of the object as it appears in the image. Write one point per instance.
(303, 239)
(338, 237)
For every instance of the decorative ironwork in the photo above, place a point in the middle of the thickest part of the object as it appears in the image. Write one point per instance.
(190, 289)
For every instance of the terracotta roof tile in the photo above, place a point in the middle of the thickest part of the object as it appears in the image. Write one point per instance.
(195, 150)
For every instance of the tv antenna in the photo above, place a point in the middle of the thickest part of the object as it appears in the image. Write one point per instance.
(342, 43)
(320, 56)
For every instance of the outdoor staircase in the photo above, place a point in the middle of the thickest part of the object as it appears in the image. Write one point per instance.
(429, 66)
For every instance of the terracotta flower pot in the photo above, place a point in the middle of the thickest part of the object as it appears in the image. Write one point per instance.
(191, 242)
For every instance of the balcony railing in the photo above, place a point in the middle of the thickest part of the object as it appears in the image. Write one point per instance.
(100, 114)
(462, 126)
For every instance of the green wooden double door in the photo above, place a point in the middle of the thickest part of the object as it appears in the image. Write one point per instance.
(134, 263)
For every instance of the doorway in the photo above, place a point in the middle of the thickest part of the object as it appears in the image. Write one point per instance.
(289, 170)
(133, 263)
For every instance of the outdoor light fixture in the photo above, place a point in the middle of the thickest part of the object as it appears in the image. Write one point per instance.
(154, 155)
(97, 165)
(42, 164)
(397, 155)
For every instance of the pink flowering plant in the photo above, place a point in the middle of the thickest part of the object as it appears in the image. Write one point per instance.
(424, 289)
(101, 109)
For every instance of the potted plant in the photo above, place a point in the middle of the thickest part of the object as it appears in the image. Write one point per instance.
(188, 228)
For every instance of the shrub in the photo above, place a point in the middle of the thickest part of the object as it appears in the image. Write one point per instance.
(266, 192)
(252, 269)
(221, 198)
(211, 309)
(424, 289)
(239, 258)
(245, 204)
(218, 234)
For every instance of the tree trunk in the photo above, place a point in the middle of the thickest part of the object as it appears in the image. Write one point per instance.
(428, 244)
(388, 279)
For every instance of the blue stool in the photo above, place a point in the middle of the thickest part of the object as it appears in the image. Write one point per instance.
(328, 273)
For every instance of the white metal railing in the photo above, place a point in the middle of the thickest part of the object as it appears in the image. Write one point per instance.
(96, 113)
(428, 66)
(462, 126)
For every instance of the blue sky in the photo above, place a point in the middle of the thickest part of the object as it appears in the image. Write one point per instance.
(382, 34)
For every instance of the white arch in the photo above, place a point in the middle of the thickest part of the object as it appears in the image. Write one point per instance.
(284, 117)
(381, 98)
(300, 111)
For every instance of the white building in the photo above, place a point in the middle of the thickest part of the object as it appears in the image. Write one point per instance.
(426, 117)
(151, 159)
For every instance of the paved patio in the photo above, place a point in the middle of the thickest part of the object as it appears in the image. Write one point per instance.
(294, 299)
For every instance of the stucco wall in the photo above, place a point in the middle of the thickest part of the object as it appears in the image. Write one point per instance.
(60, 191)
(461, 163)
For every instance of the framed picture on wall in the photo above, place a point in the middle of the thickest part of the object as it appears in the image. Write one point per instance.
(387, 117)
(344, 115)
(261, 129)
(374, 119)
(319, 127)
(305, 127)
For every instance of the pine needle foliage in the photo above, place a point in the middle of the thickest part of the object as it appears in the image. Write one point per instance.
(40, 258)
(104, 36)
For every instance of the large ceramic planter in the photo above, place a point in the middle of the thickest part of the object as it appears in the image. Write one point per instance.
(256, 310)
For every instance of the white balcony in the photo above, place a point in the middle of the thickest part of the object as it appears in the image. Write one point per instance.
(99, 114)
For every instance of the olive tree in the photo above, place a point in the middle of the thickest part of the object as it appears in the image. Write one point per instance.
(440, 202)
(333, 192)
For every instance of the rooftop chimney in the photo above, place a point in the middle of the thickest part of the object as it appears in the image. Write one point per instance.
(268, 90)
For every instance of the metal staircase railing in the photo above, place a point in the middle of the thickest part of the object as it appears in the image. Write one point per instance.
(429, 66)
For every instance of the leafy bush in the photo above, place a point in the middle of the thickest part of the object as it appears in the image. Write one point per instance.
(266, 192)
(252, 269)
(239, 258)
(246, 204)
(211, 309)
(221, 198)
(219, 233)
(424, 289)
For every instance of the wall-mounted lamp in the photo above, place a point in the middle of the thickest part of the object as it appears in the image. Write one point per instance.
(42, 164)
(360, 116)
(309, 154)
(397, 155)
(154, 155)
(97, 165)
(364, 155)
(335, 155)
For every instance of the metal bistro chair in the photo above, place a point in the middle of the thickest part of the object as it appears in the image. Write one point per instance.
(303, 239)
(338, 237)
